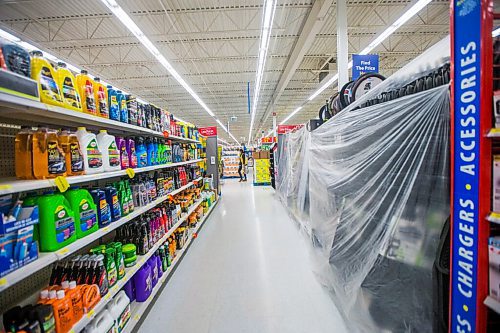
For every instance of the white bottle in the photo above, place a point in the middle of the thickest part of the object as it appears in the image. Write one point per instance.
(102, 323)
(92, 154)
(110, 152)
(119, 308)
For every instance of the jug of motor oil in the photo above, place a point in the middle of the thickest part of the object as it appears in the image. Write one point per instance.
(101, 98)
(103, 210)
(67, 86)
(114, 107)
(92, 155)
(85, 87)
(24, 152)
(43, 72)
(85, 211)
(74, 156)
(110, 152)
(57, 222)
(48, 157)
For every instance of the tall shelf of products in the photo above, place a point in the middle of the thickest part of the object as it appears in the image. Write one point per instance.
(108, 210)
(475, 166)
(231, 158)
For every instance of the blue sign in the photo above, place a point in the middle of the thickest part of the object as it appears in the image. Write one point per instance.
(364, 63)
(467, 34)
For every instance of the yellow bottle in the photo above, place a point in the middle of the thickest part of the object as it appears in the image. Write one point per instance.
(85, 87)
(43, 72)
(48, 158)
(67, 86)
(101, 98)
(23, 152)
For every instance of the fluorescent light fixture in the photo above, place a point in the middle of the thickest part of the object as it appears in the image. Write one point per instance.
(9, 37)
(221, 125)
(496, 32)
(265, 36)
(291, 115)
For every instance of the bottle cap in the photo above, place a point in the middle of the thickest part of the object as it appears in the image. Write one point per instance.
(103, 131)
(65, 284)
(44, 294)
(61, 64)
(60, 294)
(72, 285)
(83, 71)
(96, 79)
(52, 294)
(81, 128)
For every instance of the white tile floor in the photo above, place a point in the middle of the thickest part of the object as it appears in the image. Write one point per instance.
(248, 271)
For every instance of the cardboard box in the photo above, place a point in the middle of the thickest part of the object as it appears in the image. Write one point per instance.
(264, 154)
(255, 155)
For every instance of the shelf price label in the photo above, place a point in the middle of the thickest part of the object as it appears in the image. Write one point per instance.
(130, 172)
(61, 183)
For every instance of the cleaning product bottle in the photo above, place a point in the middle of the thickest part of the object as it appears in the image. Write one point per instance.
(85, 211)
(102, 323)
(110, 152)
(120, 264)
(45, 316)
(114, 107)
(143, 282)
(57, 222)
(156, 147)
(122, 102)
(123, 198)
(121, 144)
(63, 312)
(113, 202)
(119, 308)
(103, 210)
(132, 110)
(67, 86)
(86, 89)
(23, 153)
(101, 98)
(48, 158)
(74, 293)
(130, 144)
(43, 72)
(74, 156)
(100, 275)
(141, 152)
(110, 263)
(92, 155)
(151, 157)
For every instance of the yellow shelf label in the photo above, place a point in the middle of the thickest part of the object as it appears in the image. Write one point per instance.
(62, 184)
(90, 314)
(63, 251)
(5, 187)
(495, 215)
(130, 172)
(495, 131)
(3, 282)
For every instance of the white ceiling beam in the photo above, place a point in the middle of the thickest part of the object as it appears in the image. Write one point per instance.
(311, 27)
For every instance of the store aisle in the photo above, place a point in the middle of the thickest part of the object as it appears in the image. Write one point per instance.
(248, 271)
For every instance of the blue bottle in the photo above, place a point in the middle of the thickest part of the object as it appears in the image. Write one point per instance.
(103, 211)
(156, 145)
(151, 151)
(122, 103)
(114, 107)
(141, 152)
(113, 203)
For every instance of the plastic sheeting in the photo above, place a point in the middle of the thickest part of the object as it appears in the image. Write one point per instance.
(371, 189)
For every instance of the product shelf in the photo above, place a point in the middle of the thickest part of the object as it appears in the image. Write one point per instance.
(492, 303)
(14, 185)
(137, 309)
(47, 258)
(129, 273)
(23, 111)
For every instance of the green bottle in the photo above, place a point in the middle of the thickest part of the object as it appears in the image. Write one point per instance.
(120, 264)
(57, 222)
(82, 203)
(129, 197)
(110, 265)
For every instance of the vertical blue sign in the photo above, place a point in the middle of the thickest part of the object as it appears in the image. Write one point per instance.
(364, 63)
(466, 49)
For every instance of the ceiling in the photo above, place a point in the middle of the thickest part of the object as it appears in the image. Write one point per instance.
(214, 46)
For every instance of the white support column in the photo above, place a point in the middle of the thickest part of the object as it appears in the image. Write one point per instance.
(274, 123)
(342, 45)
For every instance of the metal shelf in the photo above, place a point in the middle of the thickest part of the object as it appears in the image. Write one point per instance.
(129, 273)
(137, 309)
(14, 185)
(47, 258)
(23, 111)
(493, 304)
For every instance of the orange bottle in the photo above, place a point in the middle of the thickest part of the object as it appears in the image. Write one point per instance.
(74, 294)
(74, 157)
(48, 158)
(23, 152)
(85, 87)
(63, 312)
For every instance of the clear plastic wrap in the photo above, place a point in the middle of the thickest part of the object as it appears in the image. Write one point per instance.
(370, 187)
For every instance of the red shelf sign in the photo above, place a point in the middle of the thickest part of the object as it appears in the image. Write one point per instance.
(208, 131)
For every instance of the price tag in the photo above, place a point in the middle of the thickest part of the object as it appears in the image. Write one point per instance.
(495, 215)
(130, 172)
(166, 134)
(137, 317)
(61, 183)
(90, 314)
(63, 251)
(5, 187)
(3, 282)
(107, 296)
(195, 182)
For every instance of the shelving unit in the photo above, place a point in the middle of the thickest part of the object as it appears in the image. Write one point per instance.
(138, 309)
(231, 163)
(46, 259)
(129, 273)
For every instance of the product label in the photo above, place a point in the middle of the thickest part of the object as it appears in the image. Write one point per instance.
(143, 160)
(124, 157)
(48, 85)
(65, 224)
(70, 95)
(133, 158)
(94, 155)
(102, 102)
(49, 324)
(123, 319)
(76, 157)
(89, 97)
(112, 273)
(105, 212)
(88, 216)
(55, 155)
(116, 206)
(114, 155)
